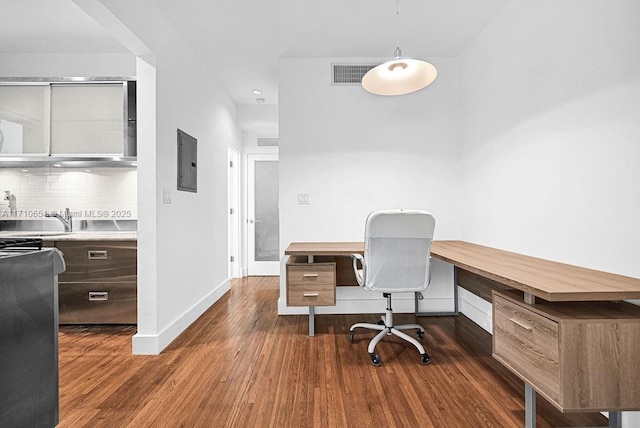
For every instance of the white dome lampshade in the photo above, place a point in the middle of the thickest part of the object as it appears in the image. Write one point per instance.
(399, 76)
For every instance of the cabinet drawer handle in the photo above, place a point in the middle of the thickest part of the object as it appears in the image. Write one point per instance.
(520, 324)
(97, 254)
(98, 296)
(310, 275)
(310, 294)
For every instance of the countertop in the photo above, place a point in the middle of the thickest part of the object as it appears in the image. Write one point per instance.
(74, 236)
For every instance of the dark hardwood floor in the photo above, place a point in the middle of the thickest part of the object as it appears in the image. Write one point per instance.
(241, 364)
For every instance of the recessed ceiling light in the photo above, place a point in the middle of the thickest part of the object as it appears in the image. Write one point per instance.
(87, 170)
(260, 100)
(24, 170)
(57, 165)
(257, 91)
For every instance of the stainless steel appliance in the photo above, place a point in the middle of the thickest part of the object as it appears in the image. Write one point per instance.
(28, 333)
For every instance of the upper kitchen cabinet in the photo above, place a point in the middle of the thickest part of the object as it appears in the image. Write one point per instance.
(65, 120)
(24, 119)
(87, 119)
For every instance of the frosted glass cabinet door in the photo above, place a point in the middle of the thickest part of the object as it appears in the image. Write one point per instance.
(87, 119)
(24, 119)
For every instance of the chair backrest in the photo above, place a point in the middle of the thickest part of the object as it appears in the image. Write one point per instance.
(397, 245)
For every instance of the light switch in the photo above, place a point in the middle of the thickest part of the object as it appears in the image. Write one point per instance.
(303, 198)
(166, 196)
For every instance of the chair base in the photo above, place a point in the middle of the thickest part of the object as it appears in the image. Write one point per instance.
(386, 327)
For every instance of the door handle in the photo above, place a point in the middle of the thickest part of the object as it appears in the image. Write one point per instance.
(521, 324)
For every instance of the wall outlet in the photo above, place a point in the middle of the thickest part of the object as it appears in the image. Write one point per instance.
(166, 196)
(303, 198)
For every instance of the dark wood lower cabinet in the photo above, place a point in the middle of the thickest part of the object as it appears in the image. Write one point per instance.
(100, 283)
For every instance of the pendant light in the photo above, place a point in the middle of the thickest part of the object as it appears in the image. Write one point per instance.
(400, 75)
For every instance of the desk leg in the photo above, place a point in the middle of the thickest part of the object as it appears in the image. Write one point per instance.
(529, 406)
(615, 419)
(312, 316)
(529, 298)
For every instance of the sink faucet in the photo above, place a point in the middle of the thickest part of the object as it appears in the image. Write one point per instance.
(8, 196)
(66, 219)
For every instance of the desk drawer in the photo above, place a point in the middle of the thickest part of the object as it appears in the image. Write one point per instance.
(527, 343)
(311, 273)
(311, 284)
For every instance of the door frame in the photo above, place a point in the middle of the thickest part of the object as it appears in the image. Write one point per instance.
(257, 268)
(233, 203)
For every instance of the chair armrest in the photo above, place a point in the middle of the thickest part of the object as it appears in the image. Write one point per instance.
(358, 272)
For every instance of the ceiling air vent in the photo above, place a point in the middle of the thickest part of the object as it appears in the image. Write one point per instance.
(349, 74)
(268, 142)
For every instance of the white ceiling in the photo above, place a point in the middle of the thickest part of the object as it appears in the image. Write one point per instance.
(51, 26)
(241, 40)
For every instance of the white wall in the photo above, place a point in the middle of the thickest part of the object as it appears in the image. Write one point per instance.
(549, 108)
(550, 99)
(354, 152)
(189, 258)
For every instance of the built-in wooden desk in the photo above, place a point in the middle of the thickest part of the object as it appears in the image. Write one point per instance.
(579, 346)
(324, 249)
(580, 356)
(313, 271)
(551, 281)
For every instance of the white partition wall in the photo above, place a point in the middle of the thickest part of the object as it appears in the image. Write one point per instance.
(549, 108)
(353, 152)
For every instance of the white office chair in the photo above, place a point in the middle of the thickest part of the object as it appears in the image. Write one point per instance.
(397, 244)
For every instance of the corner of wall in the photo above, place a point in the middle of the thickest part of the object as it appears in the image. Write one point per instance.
(154, 344)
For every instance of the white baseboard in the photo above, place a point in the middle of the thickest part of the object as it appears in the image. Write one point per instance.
(153, 344)
(375, 305)
(354, 301)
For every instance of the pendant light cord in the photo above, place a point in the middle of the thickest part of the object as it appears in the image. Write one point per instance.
(398, 52)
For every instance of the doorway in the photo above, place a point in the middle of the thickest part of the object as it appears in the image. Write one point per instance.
(263, 227)
(233, 194)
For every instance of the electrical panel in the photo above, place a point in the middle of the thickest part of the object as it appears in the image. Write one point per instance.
(187, 162)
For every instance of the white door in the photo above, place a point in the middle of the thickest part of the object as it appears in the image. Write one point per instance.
(233, 180)
(263, 229)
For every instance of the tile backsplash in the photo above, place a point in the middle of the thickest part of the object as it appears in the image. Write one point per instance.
(89, 193)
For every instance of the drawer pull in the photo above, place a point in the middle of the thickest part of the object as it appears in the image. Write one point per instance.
(520, 324)
(98, 296)
(310, 294)
(97, 254)
(310, 275)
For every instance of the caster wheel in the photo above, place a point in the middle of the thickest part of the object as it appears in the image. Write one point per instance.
(425, 358)
(420, 334)
(375, 360)
(351, 334)
(380, 322)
